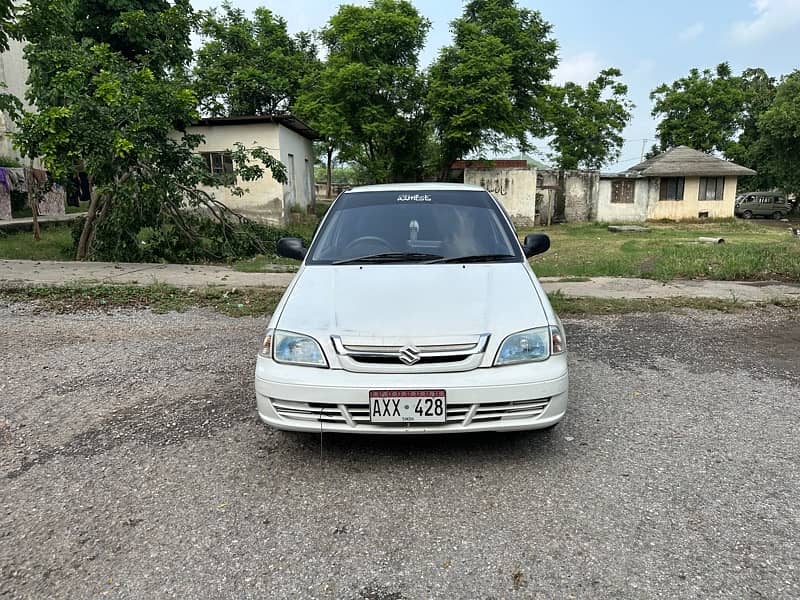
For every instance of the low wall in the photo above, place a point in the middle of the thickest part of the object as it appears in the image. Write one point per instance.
(515, 188)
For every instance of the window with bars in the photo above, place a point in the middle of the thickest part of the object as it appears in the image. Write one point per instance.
(671, 188)
(220, 163)
(622, 191)
(711, 188)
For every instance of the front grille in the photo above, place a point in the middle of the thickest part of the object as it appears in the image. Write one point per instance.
(356, 414)
(425, 360)
(463, 354)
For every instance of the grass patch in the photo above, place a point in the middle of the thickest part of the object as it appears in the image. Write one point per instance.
(569, 306)
(56, 244)
(265, 264)
(756, 251)
(160, 298)
(259, 302)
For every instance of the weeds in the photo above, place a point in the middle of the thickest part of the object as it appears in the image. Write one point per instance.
(160, 298)
(569, 306)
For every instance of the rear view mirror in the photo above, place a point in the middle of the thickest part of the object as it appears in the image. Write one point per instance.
(291, 248)
(535, 243)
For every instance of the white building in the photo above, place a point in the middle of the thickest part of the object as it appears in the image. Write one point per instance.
(287, 138)
(678, 184)
(14, 74)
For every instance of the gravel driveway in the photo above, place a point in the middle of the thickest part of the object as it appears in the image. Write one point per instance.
(132, 466)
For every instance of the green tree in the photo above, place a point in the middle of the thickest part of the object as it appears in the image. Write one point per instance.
(588, 121)
(117, 111)
(701, 111)
(250, 66)
(779, 144)
(6, 22)
(489, 86)
(319, 108)
(748, 150)
(368, 99)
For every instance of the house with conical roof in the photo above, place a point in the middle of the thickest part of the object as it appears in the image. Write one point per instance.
(678, 184)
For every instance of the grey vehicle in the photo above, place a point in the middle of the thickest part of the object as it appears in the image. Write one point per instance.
(762, 204)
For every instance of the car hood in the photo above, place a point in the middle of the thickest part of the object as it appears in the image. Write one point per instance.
(412, 302)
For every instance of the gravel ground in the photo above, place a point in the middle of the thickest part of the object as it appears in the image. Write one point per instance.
(132, 466)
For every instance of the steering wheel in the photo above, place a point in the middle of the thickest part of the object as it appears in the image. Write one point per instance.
(369, 238)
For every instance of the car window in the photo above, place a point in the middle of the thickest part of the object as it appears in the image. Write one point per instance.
(433, 224)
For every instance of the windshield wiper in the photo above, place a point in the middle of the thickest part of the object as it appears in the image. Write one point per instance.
(475, 258)
(390, 257)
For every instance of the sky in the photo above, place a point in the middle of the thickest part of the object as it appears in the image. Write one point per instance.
(650, 42)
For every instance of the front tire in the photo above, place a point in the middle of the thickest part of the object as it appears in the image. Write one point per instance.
(747, 214)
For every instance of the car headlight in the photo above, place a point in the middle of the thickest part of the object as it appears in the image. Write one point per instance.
(293, 348)
(525, 346)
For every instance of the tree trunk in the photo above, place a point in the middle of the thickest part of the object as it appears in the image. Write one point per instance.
(88, 229)
(330, 175)
(33, 202)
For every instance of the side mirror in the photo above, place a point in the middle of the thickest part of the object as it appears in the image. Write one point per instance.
(535, 243)
(291, 248)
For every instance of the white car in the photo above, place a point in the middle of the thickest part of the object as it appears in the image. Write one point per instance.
(414, 311)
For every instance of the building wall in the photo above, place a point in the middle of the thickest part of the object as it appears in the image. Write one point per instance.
(297, 155)
(644, 194)
(514, 188)
(690, 207)
(14, 74)
(647, 206)
(266, 199)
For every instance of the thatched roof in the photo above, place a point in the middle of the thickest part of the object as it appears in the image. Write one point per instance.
(683, 161)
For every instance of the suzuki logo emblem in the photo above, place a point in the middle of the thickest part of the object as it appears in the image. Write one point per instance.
(409, 355)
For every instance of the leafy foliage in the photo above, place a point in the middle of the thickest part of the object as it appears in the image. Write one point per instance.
(6, 21)
(369, 96)
(748, 149)
(250, 66)
(114, 107)
(780, 134)
(701, 111)
(750, 118)
(588, 121)
(165, 241)
(488, 86)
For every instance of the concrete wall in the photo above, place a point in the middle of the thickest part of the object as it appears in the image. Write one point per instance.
(266, 200)
(514, 188)
(690, 207)
(580, 190)
(297, 154)
(14, 73)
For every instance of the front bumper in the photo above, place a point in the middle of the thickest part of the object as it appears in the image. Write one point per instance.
(511, 398)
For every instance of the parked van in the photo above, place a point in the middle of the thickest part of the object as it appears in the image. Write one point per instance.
(762, 204)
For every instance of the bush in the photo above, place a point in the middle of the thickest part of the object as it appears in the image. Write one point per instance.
(321, 209)
(9, 161)
(167, 242)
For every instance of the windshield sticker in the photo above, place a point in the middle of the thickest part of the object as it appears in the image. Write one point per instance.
(414, 198)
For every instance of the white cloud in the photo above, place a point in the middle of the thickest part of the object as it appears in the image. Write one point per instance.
(771, 16)
(693, 31)
(579, 68)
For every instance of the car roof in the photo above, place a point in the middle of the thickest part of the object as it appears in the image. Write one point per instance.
(763, 194)
(416, 187)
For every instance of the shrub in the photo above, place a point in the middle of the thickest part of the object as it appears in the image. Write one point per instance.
(167, 242)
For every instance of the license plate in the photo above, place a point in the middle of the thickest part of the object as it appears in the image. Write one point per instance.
(407, 406)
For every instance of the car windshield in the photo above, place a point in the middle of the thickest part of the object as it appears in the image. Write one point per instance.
(428, 226)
